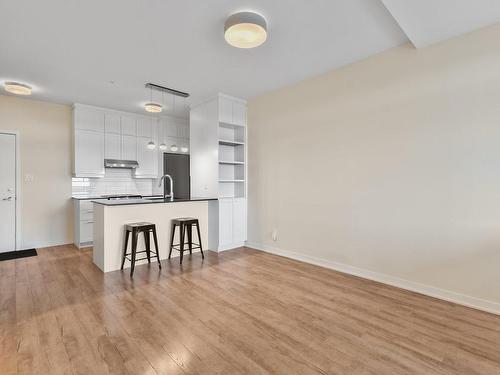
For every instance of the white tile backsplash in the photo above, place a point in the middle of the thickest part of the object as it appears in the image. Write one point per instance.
(115, 181)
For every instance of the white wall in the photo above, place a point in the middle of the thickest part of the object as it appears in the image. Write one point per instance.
(45, 152)
(390, 165)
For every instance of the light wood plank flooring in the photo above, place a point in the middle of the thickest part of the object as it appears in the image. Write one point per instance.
(242, 312)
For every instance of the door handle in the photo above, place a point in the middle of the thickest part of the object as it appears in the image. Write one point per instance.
(7, 199)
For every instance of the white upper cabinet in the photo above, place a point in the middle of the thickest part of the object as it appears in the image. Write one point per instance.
(128, 124)
(225, 110)
(232, 111)
(112, 123)
(112, 146)
(89, 154)
(239, 114)
(88, 119)
(129, 147)
(144, 127)
(147, 159)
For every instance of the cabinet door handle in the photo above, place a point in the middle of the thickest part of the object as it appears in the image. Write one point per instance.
(7, 199)
(90, 222)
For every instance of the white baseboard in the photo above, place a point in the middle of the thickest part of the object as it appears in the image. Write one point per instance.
(461, 299)
(231, 246)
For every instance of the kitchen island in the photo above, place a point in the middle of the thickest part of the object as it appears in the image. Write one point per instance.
(110, 217)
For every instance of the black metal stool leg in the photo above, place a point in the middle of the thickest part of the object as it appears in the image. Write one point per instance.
(156, 247)
(172, 240)
(189, 229)
(147, 242)
(125, 248)
(181, 245)
(135, 236)
(199, 239)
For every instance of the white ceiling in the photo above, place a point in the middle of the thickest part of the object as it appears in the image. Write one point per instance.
(103, 52)
(431, 21)
(70, 50)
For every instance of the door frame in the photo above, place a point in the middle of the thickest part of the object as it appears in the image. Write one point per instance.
(15, 133)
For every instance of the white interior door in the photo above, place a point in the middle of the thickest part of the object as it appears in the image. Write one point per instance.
(7, 192)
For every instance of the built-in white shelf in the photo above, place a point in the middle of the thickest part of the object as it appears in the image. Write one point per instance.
(230, 181)
(229, 162)
(230, 126)
(227, 142)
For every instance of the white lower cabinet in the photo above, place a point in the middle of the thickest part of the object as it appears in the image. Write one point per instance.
(89, 154)
(84, 223)
(239, 220)
(230, 217)
(225, 222)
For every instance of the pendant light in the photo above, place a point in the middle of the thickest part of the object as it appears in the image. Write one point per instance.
(153, 107)
(163, 146)
(151, 144)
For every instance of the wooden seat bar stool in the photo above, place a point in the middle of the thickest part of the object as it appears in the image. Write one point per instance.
(146, 229)
(185, 225)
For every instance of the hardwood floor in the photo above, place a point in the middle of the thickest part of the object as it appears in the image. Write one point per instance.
(242, 312)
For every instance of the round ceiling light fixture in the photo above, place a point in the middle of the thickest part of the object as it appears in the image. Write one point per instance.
(245, 30)
(17, 88)
(153, 107)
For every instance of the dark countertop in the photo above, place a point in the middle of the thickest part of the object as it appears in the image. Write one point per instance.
(85, 197)
(93, 197)
(128, 202)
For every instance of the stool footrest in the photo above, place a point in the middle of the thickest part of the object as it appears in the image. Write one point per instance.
(144, 251)
(186, 247)
(130, 260)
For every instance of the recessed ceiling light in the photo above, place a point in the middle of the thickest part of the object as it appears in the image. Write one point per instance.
(245, 30)
(163, 147)
(153, 107)
(174, 148)
(17, 88)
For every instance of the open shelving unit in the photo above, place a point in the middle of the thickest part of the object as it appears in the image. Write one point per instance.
(218, 139)
(232, 139)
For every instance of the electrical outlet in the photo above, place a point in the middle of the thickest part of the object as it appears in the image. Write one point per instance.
(274, 235)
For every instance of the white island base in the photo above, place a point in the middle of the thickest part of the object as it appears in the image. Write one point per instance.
(109, 222)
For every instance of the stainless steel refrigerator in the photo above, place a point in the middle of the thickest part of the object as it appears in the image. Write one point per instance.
(177, 166)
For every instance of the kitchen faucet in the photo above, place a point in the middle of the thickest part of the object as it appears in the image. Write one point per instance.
(165, 187)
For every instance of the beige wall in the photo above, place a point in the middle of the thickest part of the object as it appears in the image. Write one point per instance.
(45, 152)
(390, 165)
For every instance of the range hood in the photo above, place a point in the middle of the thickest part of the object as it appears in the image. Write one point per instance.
(115, 163)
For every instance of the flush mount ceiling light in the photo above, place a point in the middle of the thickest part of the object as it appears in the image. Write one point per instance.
(17, 88)
(162, 146)
(153, 107)
(245, 30)
(151, 145)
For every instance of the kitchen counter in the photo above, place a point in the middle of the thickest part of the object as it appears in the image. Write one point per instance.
(111, 216)
(148, 200)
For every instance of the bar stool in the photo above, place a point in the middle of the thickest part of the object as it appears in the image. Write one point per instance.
(135, 229)
(185, 224)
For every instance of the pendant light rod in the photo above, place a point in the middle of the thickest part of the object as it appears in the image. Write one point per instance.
(153, 86)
